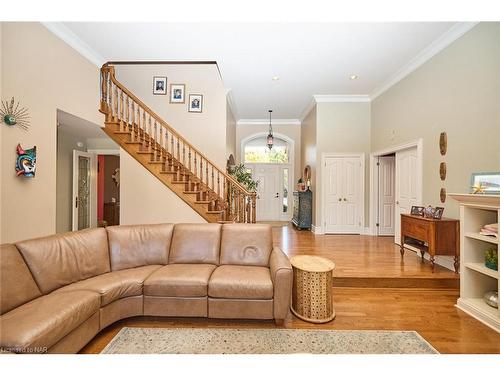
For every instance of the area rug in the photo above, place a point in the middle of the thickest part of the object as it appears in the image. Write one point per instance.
(264, 341)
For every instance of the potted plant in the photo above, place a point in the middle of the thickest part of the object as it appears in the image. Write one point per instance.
(244, 177)
(491, 259)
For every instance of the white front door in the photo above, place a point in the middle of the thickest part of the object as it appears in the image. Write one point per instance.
(342, 195)
(406, 186)
(84, 188)
(386, 195)
(268, 192)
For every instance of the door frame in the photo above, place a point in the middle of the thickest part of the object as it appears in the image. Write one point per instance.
(92, 189)
(374, 180)
(290, 165)
(361, 208)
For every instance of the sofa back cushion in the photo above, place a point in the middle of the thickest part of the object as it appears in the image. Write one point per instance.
(246, 244)
(139, 245)
(17, 285)
(62, 259)
(195, 243)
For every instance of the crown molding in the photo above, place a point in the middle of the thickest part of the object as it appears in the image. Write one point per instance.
(425, 55)
(68, 36)
(266, 122)
(341, 98)
(308, 109)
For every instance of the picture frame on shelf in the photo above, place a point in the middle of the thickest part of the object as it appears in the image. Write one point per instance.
(417, 210)
(485, 183)
(195, 103)
(159, 85)
(177, 93)
(438, 213)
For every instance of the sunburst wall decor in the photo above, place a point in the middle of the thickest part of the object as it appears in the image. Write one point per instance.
(13, 115)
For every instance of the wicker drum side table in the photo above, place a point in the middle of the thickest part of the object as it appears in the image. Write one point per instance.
(312, 288)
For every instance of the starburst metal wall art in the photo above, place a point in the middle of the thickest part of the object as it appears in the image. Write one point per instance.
(13, 115)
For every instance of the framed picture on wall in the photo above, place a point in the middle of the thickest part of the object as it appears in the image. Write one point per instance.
(485, 183)
(159, 85)
(177, 93)
(195, 103)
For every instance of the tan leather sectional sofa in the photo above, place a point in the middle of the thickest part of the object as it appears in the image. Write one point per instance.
(58, 292)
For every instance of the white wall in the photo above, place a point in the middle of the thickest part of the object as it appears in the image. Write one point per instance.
(44, 74)
(230, 132)
(457, 91)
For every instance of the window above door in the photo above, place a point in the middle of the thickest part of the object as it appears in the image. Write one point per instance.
(256, 151)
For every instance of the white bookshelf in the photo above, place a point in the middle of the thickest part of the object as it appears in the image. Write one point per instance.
(475, 278)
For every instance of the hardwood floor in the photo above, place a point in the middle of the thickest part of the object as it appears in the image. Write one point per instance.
(430, 312)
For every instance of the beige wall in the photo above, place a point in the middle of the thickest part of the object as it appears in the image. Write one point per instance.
(44, 74)
(457, 91)
(206, 130)
(308, 146)
(66, 143)
(147, 200)
(341, 128)
(290, 131)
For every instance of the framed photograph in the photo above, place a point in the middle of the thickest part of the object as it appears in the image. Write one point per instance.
(438, 213)
(417, 210)
(177, 93)
(159, 85)
(485, 183)
(195, 103)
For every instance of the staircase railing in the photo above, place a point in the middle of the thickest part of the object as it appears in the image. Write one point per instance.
(122, 107)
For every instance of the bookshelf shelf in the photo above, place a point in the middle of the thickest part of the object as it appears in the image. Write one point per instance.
(475, 278)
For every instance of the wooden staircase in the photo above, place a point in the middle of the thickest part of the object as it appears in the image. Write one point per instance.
(210, 191)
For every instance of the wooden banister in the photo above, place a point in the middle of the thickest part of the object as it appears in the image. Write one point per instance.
(122, 107)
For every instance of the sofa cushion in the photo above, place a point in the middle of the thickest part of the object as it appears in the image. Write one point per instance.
(114, 285)
(179, 280)
(245, 282)
(139, 245)
(44, 321)
(62, 259)
(195, 243)
(17, 285)
(246, 244)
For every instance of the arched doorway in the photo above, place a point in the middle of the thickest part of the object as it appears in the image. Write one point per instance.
(273, 170)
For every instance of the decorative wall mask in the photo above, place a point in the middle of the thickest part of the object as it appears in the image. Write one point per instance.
(13, 115)
(26, 161)
(442, 195)
(443, 143)
(442, 171)
(116, 177)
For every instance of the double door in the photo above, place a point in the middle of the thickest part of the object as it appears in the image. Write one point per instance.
(342, 194)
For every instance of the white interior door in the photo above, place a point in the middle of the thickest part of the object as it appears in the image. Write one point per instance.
(268, 192)
(84, 189)
(342, 195)
(333, 195)
(386, 195)
(407, 185)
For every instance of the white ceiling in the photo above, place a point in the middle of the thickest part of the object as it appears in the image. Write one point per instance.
(78, 127)
(310, 59)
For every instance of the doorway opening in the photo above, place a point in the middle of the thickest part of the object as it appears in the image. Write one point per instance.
(396, 185)
(273, 171)
(88, 165)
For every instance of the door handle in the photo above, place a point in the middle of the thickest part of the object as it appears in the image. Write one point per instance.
(76, 202)
(397, 202)
(340, 199)
(277, 195)
(345, 199)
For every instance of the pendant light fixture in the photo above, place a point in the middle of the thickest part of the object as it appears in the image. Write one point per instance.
(270, 137)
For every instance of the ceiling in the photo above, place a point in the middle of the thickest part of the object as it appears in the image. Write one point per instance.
(309, 58)
(78, 127)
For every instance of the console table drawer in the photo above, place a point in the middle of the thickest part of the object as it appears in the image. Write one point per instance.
(415, 229)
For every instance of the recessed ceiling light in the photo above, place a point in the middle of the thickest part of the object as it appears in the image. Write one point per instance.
(276, 78)
(353, 77)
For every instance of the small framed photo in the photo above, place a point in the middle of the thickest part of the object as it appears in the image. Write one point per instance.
(195, 103)
(177, 93)
(417, 210)
(159, 85)
(438, 213)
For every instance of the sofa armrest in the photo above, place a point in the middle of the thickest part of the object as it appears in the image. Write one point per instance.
(281, 276)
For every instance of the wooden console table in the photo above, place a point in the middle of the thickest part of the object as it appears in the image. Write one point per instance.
(437, 237)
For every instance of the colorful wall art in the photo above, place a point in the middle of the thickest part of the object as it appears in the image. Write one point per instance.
(26, 161)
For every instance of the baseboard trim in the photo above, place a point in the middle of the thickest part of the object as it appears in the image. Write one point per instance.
(317, 229)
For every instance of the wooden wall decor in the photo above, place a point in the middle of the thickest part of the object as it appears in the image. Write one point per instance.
(442, 195)
(442, 171)
(443, 143)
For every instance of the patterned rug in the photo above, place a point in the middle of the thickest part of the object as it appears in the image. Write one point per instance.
(264, 341)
